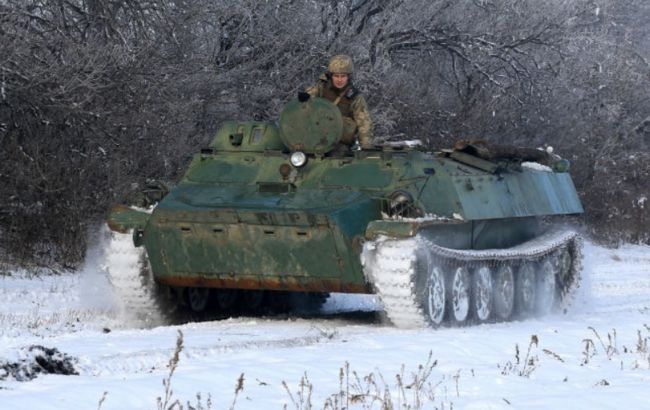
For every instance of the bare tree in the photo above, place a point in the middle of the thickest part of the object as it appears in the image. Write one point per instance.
(97, 96)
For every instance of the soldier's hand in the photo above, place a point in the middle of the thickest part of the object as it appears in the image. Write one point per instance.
(303, 96)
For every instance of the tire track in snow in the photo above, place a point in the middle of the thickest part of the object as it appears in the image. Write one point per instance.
(146, 359)
(612, 283)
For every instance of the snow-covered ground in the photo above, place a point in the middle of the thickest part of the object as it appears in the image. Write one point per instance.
(594, 356)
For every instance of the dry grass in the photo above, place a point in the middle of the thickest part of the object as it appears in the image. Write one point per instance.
(528, 365)
(641, 349)
(416, 389)
(592, 347)
(301, 400)
(609, 346)
(410, 390)
(167, 402)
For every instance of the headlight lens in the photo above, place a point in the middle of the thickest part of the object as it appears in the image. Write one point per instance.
(298, 159)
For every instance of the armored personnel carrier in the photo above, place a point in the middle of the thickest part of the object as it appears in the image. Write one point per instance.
(272, 212)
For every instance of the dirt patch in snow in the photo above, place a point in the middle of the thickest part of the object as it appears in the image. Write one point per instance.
(36, 360)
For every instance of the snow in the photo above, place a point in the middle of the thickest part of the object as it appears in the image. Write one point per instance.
(594, 356)
(536, 166)
(404, 143)
(425, 218)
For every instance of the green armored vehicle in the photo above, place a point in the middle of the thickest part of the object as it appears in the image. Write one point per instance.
(271, 213)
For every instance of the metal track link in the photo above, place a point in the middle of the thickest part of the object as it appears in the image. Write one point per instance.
(392, 272)
(135, 289)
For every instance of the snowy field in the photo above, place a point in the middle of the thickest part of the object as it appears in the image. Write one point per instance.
(596, 355)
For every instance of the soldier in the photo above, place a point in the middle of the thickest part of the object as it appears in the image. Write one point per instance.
(336, 86)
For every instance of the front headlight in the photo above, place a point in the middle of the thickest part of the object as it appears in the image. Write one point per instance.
(298, 159)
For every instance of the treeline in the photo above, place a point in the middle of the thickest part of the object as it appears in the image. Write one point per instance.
(96, 96)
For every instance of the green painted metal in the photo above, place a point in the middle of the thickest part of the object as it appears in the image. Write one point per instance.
(403, 228)
(242, 216)
(123, 218)
(247, 136)
(516, 194)
(313, 126)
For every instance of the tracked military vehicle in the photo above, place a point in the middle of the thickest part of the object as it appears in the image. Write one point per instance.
(271, 211)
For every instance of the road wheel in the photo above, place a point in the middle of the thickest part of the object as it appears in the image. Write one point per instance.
(546, 283)
(504, 292)
(252, 300)
(483, 294)
(435, 296)
(226, 298)
(525, 291)
(198, 298)
(564, 263)
(459, 296)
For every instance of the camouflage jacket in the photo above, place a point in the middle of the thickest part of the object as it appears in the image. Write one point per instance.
(353, 107)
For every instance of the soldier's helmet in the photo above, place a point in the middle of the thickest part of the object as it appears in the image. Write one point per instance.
(340, 64)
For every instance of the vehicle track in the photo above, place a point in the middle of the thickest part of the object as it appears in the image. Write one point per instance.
(132, 281)
(392, 265)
